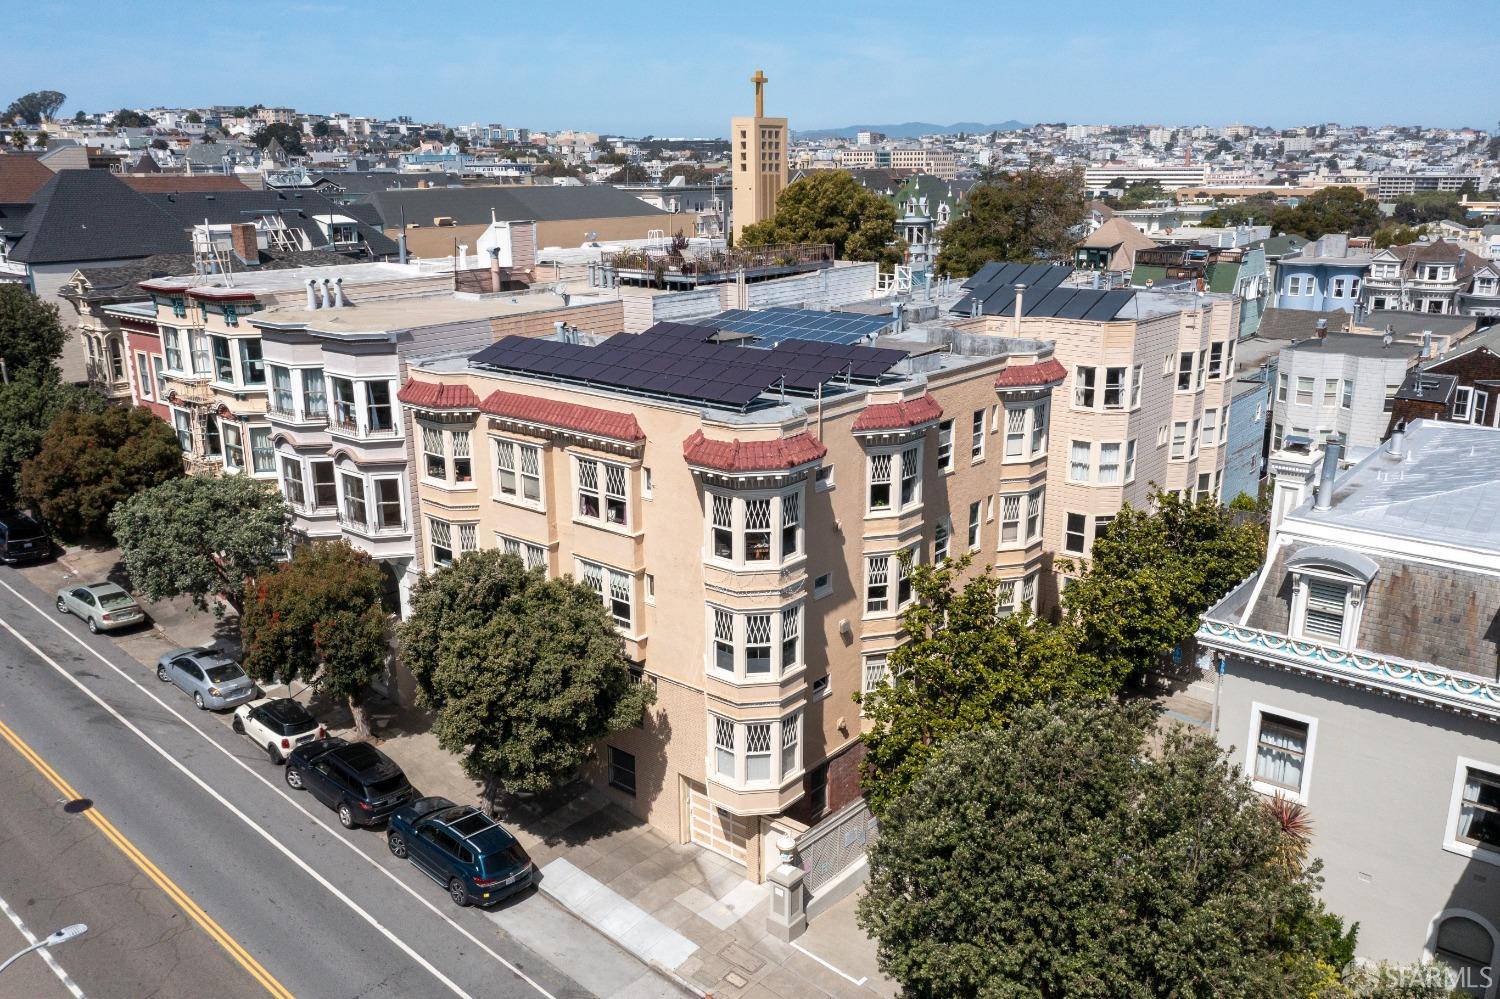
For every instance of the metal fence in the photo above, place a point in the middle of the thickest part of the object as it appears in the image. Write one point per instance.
(836, 844)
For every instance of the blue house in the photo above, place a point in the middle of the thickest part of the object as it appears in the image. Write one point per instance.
(1249, 411)
(1325, 274)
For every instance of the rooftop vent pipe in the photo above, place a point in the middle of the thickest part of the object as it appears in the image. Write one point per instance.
(312, 295)
(338, 293)
(1398, 443)
(1322, 327)
(1332, 454)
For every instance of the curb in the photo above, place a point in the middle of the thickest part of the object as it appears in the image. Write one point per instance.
(656, 966)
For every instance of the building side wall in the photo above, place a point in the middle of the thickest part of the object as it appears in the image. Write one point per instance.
(1379, 792)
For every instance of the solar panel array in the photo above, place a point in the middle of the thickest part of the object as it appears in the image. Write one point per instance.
(682, 361)
(778, 324)
(993, 287)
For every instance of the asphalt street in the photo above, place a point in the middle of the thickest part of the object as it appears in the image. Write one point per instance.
(197, 864)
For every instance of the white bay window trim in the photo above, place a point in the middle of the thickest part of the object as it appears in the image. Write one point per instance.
(518, 472)
(758, 753)
(753, 646)
(754, 530)
(616, 589)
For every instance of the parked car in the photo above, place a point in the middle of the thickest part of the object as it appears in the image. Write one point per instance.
(462, 849)
(278, 725)
(354, 778)
(213, 679)
(102, 605)
(22, 539)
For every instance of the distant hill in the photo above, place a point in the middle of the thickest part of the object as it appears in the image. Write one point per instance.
(910, 129)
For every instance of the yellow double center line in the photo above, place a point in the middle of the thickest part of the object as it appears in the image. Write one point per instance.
(176, 894)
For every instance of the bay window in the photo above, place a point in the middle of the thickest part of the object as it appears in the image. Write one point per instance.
(262, 452)
(1034, 513)
(281, 390)
(945, 446)
(378, 413)
(345, 411)
(518, 470)
(200, 352)
(440, 535)
(223, 361)
(445, 455)
(172, 344)
(1010, 519)
(1114, 388)
(325, 493)
(534, 556)
(183, 424)
(758, 529)
(756, 753)
(355, 512)
(1015, 432)
(1083, 388)
(1135, 387)
(615, 589)
(1130, 461)
(234, 447)
(1185, 371)
(1109, 464)
(252, 367)
(291, 482)
(314, 394)
(601, 491)
(1179, 440)
(879, 570)
(1080, 458)
(791, 524)
(895, 480)
(389, 510)
(1216, 360)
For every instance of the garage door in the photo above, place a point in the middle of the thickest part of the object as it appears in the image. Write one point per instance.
(713, 828)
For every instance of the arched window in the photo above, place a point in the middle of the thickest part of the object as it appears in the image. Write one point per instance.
(116, 360)
(1466, 945)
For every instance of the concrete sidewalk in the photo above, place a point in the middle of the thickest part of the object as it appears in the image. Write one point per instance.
(683, 910)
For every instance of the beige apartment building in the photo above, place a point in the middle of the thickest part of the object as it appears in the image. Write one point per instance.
(940, 163)
(748, 544)
(1149, 380)
(758, 147)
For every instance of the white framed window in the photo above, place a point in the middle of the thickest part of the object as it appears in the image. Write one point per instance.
(1010, 519)
(895, 479)
(755, 529)
(877, 584)
(182, 423)
(942, 534)
(1039, 429)
(159, 373)
(324, 491)
(1304, 391)
(234, 446)
(1185, 371)
(1080, 459)
(1135, 387)
(1015, 432)
(518, 471)
(1005, 597)
(615, 590)
(292, 485)
(1281, 386)
(975, 514)
(440, 541)
(1193, 440)
(1216, 355)
(601, 490)
(314, 394)
(1114, 388)
(283, 400)
(1034, 513)
(1130, 461)
(1109, 463)
(1330, 392)
(1325, 609)
(1462, 401)
(262, 451)
(822, 584)
(1473, 827)
(1075, 536)
(532, 555)
(390, 509)
(1179, 440)
(1025, 431)
(757, 753)
(1280, 752)
(874, 673)
(1210, 434)
(945, 446)
(880, 482)
(1083, 387)
(143, 375)
(976, 437)
(754, 646)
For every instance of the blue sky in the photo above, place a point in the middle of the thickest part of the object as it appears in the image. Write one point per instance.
(669, 68)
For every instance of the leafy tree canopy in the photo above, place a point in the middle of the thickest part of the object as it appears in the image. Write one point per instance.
(126, 118)
(1061, 856)
(526, 673)
(630, 173)
(31, 334)
(1151, 575)
(320, 129)
(1141, 193)
(1396, 234)
(965, 667)
(1429, 206)
(35, 107)
(1014, 217)
(1333, 209)
(41, 139)
(201, 536)
(29, 402)
(830, 206)
(691, 173)
(290, 137)
(92, 460)
(193, 118)
(317, 617)
(1251, 211)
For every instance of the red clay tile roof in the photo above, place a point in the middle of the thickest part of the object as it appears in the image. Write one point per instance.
(752, 456)
(898, 415)
(431, 395)
(565, 416)
(1026, 375)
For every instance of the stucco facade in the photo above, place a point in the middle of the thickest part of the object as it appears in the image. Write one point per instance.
(749, 559)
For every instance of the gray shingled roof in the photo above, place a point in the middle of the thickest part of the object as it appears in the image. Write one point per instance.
(1298, 324)
(85, 215)
(296, 207)
(120, 282)
(1415, 612)
(472, 205)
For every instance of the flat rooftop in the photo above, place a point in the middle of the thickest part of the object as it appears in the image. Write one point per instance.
(1444, 490)
(411, 311)
(252, 280)
(1357, 345)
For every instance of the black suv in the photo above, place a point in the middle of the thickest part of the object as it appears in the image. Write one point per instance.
(22, 539)
(358, 780)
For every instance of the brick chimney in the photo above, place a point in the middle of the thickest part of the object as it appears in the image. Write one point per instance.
(244, 242)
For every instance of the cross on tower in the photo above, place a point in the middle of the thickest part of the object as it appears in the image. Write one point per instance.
(760, 81)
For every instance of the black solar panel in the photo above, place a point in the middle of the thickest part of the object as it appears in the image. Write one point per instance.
(780, 324)
(1047, 304)
(993, 287)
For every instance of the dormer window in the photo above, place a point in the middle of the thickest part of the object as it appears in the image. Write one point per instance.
(1326, 611)
(1328, 592)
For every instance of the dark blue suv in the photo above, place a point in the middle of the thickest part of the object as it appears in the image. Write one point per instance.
(461, 848)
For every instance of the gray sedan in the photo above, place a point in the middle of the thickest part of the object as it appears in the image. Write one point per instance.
(215, 681)
(102, 605)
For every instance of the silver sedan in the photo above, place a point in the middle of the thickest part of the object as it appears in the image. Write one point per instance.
(103, 605)
(213, 679)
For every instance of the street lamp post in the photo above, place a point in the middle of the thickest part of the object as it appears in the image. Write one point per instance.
(54, 938)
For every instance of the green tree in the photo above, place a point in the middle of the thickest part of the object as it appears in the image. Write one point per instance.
(193, 118)
(320, 129)
(1397, 234)
(1062, 856)
(201, 536)
(1257, 210)
(290, 137)
(31, 334)
(1152, 574)
(41, 139)
(1142, 192)
(90, 461)
(830, 206)
(1014, 217)
(35, 107)
(29, 402)
(525, 673)
(18, 139)
(1429, 206)
(613, 158)
(126, 118)
(317, 617)
(964, 668)
(1333, 209)
(630, 173)
(691, 173)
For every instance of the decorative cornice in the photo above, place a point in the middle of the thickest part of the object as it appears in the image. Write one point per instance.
(1471, 695)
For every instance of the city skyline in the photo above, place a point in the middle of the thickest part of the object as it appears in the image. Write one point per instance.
(626, 78)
